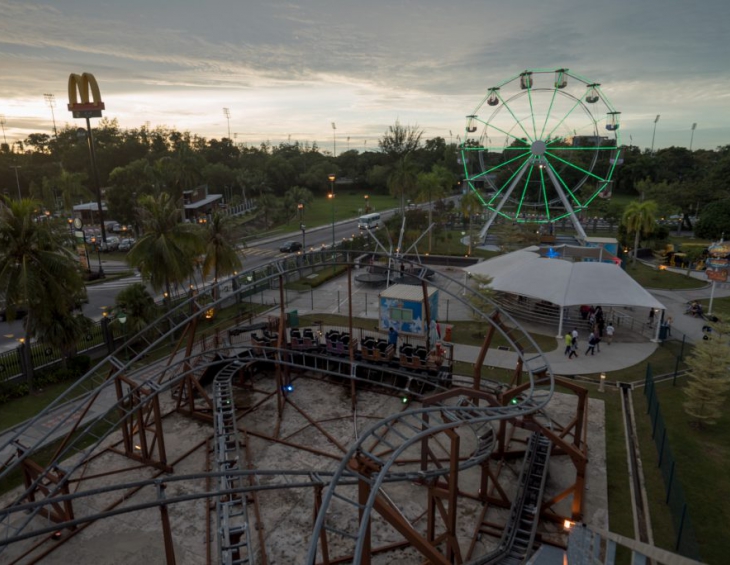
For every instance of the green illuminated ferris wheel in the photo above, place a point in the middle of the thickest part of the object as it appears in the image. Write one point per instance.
(540, 147)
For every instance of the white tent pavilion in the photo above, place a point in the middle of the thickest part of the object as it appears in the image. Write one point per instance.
(563, 282)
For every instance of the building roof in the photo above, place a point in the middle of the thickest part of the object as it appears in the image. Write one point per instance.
(202, 202)
(562, 282)
(93, 206)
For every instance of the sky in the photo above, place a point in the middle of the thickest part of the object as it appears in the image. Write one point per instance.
(288, 70)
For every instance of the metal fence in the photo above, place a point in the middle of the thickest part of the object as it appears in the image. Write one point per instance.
(685, 540)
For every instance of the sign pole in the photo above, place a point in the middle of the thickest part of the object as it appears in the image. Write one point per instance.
(712, 296)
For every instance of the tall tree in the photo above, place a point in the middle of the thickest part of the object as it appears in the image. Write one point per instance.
(640, 219)
(709, 381)
(399, 143)
(166, 253)
(37, 268)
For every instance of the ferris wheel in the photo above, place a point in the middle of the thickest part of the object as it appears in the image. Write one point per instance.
(540, 147)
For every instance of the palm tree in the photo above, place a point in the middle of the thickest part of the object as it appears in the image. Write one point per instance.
(294, 196)
(166, 253)
(402, 181)
(61, 329)
(470, 205)
(221, 257)
(432, 186)
(138, 305)
(37, 268)
(72, 189)
(640, 218)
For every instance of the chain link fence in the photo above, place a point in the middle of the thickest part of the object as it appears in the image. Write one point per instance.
(685, 540)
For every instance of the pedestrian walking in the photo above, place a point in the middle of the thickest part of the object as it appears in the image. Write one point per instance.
(573, 349)
(669, 326)
(393, 336)
(568, 342)
(651, 318)
(609, 332)
(591, 345)
(574, 334)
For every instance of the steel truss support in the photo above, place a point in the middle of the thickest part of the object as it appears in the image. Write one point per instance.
(192, 399)
(45, 481)
(142, 432)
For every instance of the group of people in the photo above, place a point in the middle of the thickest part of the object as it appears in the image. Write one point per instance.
(695, 309)
(594, 339)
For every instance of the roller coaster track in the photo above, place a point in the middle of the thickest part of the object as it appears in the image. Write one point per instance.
(372, 461)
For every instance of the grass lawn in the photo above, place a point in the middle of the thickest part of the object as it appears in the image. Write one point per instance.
(649, 277)
(347, 204)
(702, 460)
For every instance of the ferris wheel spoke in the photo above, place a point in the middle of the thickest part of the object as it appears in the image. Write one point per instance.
(565, 117)
(532, 113)
(496, 167)
(525, 186)
(576, 167)
(516, 119)
(508, 134)
(547, 115)
(587, 149)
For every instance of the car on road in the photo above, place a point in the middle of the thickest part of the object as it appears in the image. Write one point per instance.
(290, 247)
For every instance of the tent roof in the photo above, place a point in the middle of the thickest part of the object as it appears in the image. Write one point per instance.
(562, 282)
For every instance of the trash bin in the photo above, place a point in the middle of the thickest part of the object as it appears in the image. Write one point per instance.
(663, 331)
(292, 319)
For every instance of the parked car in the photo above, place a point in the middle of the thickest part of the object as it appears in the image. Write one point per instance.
(111, 244)
(290, 247)
(126, 244)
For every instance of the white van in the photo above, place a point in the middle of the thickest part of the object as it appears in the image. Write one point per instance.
(369, 222)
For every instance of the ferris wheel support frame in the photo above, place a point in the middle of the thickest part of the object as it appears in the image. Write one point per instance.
(502, 202)
(564, 199)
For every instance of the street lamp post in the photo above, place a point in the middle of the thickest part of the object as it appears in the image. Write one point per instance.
(692, 135)
(98, 255)
(300, 207)
(17, 179)
(654, 134)
(331, 196)
(122, 317)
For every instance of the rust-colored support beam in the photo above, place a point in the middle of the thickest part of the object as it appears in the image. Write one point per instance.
(166, 531)
(417, 541)
(45, 481)
(144, 420)
(363, 492)
(353, 391)
(480, 358)
(280, 341)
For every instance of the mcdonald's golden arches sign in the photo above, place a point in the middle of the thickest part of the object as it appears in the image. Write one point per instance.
(84, 96)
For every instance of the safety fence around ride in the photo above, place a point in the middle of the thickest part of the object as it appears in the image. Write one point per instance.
(685, 537)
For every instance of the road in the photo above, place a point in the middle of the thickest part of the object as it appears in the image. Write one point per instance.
(102, 295)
